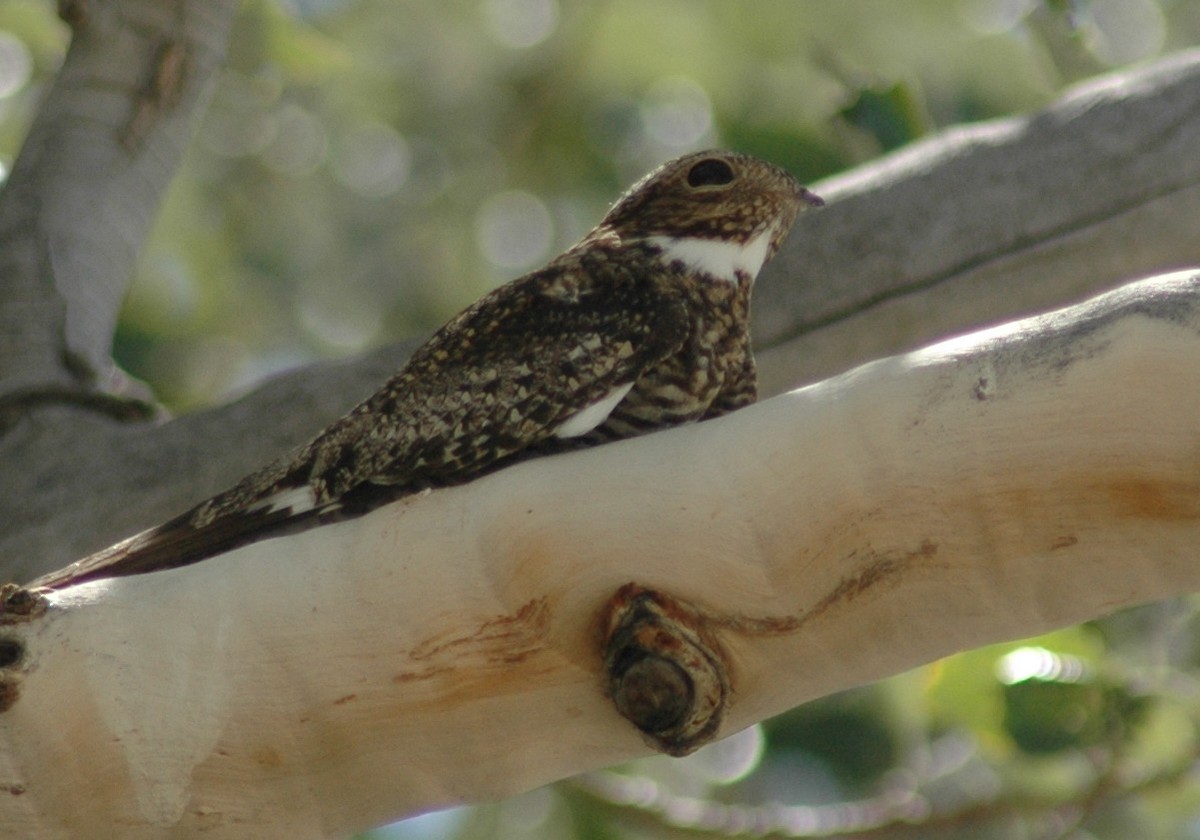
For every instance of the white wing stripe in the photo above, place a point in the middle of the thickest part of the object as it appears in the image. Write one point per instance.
(589, 418)
(295, 500)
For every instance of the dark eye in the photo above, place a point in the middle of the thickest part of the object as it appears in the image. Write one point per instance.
(710, 171)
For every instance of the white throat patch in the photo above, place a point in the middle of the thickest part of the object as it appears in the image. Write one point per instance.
(718, 258)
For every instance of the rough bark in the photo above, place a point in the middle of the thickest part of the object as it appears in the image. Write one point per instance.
(449, 647)
(972, 226)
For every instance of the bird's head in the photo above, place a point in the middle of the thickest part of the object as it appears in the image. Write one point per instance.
(714, 203)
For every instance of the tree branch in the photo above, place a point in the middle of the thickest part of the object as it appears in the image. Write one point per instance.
(989, 222)
(87, 184)
(449, 647)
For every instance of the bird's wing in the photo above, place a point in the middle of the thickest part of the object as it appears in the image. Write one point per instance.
(539, 357)
(551, 352)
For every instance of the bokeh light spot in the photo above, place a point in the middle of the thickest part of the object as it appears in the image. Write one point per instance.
(1038, 663)
(15, 64)
(521, 24)
(992, 17)
(340, 315)
(1121, 31)
(730, 759)
(514, 229)
(432, 826)
(372, 160)
(300, 143)
(676, 112)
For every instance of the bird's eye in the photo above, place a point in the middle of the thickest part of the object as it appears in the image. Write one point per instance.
(708, 172)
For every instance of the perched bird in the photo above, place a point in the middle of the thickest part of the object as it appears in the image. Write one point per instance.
(642, 325)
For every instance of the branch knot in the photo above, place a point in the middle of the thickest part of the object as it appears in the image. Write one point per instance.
(665, 675)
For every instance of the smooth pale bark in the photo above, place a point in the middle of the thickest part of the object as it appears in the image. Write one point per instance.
(446, 648)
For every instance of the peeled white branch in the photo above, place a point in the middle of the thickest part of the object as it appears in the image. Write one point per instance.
(448, 648)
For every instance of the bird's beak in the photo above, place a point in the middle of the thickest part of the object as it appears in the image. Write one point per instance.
(811, 198)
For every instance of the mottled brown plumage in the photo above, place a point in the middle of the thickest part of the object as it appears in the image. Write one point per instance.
(640, 326)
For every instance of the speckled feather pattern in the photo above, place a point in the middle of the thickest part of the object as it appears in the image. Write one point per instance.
(492, 385)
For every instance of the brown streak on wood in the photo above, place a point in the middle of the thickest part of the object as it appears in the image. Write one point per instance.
(502, 638)
(267, 757)
(1157, 500)
(423, 674)
(162, 93)
(880, 570)
(10, 691)
(451, 687)
(506, 654)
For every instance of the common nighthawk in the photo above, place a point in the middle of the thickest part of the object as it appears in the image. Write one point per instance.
(643, 324)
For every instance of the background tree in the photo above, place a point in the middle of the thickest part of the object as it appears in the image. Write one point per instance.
(364, 170)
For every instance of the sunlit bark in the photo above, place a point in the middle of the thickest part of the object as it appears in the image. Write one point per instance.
(447, 648)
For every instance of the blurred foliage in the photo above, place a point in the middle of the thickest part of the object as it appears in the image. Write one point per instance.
(367, 168)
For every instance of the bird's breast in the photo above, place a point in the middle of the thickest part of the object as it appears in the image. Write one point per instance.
(682, 387)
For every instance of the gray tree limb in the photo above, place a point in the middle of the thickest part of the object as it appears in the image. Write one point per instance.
(73, 215)
(82, 194)
(989, 222)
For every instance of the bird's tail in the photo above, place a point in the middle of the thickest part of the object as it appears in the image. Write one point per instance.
(181, 542)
